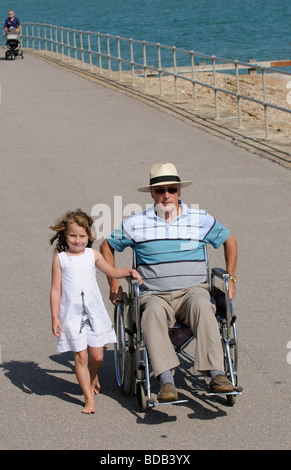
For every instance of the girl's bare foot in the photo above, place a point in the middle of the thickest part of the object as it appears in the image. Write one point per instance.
(89, 406)
(95, 386)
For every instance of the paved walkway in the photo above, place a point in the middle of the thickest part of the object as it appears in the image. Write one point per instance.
(68, 142)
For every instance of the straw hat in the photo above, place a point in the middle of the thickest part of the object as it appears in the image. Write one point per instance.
(162, 174)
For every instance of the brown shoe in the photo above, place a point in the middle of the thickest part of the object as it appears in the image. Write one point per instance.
(168, 392)
(220, 384)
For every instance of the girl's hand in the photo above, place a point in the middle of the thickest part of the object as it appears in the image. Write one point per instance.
(136, 275)
(56, 327)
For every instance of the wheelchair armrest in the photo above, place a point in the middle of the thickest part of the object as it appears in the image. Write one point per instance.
(221, 273)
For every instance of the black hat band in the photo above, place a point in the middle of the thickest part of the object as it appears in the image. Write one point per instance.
(161, 179)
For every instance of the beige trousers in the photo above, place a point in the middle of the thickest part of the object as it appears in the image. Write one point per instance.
(191, 306)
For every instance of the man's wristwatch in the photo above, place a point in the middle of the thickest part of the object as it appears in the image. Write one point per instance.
(232, 278)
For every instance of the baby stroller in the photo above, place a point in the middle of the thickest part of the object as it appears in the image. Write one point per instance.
(13, 45)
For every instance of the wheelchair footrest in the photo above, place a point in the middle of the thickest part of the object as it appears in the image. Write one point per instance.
(238, 391)
(152, 403)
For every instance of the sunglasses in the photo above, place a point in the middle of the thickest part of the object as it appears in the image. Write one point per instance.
(170, 190)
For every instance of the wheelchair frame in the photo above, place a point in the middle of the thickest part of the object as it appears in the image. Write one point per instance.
(132, 364)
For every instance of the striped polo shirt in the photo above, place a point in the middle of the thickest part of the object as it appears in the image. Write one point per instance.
(170, 256)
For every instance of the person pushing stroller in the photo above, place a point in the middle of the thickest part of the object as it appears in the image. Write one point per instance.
(12, 26)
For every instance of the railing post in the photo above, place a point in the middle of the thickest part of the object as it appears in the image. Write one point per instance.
(193, 81)
(75, 47)
(89, 50)
(45, 39)
(51, 39)
(56, 41)
(99, 53)
(27, 41)
(108, 55)
(119, 58)
(62, 43)
(38, 35)
(132, 62)
(21, 39)
(175, 73)
(68, 45)
(144, 52)
(214, 84)
(32, 36)
(238, 96)
(160, 68)
(82, 49)
(265, 104)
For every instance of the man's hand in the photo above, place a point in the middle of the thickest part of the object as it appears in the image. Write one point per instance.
(116, 291)
(230, 254)
(231, 288)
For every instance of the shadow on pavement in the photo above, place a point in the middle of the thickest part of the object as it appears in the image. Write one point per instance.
(29, 377)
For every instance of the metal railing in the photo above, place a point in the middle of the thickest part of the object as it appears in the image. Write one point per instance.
(117, 56)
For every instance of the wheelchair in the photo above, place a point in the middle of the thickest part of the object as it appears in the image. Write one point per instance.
(132, 363)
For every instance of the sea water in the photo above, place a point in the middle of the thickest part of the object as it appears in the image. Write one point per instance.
(232, 29)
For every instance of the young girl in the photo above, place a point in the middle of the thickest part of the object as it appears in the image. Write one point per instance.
(79, 317)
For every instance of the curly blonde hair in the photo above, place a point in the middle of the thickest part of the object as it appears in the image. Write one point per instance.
(80, 218)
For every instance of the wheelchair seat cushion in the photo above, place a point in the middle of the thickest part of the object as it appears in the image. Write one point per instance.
(179, 334)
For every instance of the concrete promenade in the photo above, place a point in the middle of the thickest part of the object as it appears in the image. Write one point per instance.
(68, 142)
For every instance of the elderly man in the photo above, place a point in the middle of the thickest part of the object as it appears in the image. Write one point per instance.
(168, 240)
(12, 22)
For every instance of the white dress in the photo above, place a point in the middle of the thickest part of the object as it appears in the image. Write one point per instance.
(82, 313)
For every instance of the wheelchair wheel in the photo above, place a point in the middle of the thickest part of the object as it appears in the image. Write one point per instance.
(141, 396)
(124, 348)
